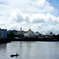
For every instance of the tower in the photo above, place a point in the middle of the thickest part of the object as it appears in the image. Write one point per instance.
(21, 31)
(20, 28)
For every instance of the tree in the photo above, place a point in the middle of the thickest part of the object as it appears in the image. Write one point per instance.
(51, 33)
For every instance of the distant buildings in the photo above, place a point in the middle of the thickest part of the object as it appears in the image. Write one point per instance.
(50, 35)
(3, 33)
(29, 34)
(22, 33)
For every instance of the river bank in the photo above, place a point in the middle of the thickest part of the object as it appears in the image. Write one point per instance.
(27, 39)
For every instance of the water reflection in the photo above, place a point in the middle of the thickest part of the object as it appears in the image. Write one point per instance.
(30, 50)
(3, 51)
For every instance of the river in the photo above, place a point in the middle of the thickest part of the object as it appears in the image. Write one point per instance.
(30, 50)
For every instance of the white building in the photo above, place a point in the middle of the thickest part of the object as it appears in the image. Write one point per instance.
(30, 34)
(37, 34)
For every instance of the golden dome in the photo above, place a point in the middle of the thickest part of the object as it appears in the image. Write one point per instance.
(29, 29)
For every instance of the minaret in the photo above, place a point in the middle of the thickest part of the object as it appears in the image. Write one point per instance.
(20, 28)
(21, 32)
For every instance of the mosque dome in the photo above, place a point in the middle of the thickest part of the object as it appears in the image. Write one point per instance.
(29, 30)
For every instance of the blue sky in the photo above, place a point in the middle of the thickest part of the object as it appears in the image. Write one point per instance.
(39, 15)
(54, 3)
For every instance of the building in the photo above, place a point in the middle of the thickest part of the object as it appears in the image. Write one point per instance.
(3, 33)
(50, 35)
(37, 34)
(21, 32)
(30, 34)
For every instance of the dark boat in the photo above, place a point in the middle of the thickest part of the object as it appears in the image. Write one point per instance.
(14, 55)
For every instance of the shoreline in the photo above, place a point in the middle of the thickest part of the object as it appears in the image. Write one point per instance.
(29, 39)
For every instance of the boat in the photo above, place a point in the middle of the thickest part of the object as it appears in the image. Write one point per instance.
(14, 55)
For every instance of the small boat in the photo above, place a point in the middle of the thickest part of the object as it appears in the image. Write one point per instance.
(14, 55)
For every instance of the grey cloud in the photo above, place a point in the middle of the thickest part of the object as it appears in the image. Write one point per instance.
(38, 21)
(19, 18)
(27, 19)
(2, 24)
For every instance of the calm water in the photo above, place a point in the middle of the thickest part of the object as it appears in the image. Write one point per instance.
(30, 50)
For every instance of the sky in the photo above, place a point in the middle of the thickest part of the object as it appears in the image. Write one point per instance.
(39, 15)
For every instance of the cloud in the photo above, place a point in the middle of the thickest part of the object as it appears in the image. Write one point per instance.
(31, 6)
(42, 6)
(2, 2)
(43, 23)
(39, 15)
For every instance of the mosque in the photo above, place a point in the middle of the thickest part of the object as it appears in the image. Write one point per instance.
(30, 33)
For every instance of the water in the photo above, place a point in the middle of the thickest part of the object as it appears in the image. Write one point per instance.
(30, 50)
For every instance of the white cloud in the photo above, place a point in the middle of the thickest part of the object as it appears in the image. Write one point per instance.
(31, 6)
(37, 22)
(36, 14)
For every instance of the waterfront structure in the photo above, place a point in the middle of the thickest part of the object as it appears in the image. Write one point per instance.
(3, 33)
(37, 34)
(30, 34)
(50, 35)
